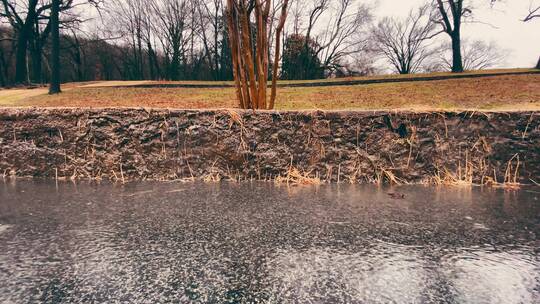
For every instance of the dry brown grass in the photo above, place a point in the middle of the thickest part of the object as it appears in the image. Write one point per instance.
(295, 177)
(501, 92)
(465, 173)
(329, 80)
(521, 92)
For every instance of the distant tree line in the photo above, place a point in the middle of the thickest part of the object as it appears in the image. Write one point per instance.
(190, 39)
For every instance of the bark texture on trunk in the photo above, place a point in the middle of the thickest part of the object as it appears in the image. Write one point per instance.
(24, 34)
(55, 52)
(275, 67)
(21, 60)
(248, 24)
(35, 54)
(457, 59)
(453, 9)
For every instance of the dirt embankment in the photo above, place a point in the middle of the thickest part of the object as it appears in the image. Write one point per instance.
(137, 144)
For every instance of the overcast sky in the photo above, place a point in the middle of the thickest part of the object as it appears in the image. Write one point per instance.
(521, 39)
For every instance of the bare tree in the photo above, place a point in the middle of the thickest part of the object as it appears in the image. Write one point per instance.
(346, 35)
(31, 24)
(250, 49)
(451, 14)
(210, 24)
(130, 17)
(189, 39)
(477, 55)
(23, 19)
(175, 33)
(405, 43)
(338, 29)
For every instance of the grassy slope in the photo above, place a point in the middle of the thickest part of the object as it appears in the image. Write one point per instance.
(520, 92)
(330, 80)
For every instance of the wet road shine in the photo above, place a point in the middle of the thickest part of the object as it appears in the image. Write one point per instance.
(259, 243)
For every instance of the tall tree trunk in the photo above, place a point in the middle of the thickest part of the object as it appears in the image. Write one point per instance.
(457, 59)
(247, 57)
(35, 49)
(174, 68)
(24, 34)
(55, 50)
(35, 54)
(279, 29)
(79, 58)
(217, 71)
(3, 67)
(21, 64)
(234, 43)
(3, 81)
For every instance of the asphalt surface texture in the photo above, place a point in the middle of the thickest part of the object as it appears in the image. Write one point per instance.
(266, 243)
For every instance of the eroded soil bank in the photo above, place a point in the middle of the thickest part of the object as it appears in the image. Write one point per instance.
(139, 144)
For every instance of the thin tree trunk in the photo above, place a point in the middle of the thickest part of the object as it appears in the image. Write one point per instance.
(232, 32)
(79, 57)
(55, 50)
(140, 62)
(250, 58)
(259, 53)
(247, 58)
(276, 54)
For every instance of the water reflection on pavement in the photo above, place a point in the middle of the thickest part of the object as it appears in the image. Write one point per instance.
(259, 243)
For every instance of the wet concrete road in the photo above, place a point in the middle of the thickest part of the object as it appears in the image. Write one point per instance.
(258, 243)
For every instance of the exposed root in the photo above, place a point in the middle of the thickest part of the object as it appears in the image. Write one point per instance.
(235, 117)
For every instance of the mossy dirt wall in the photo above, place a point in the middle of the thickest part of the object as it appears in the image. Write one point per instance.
(139, 144)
